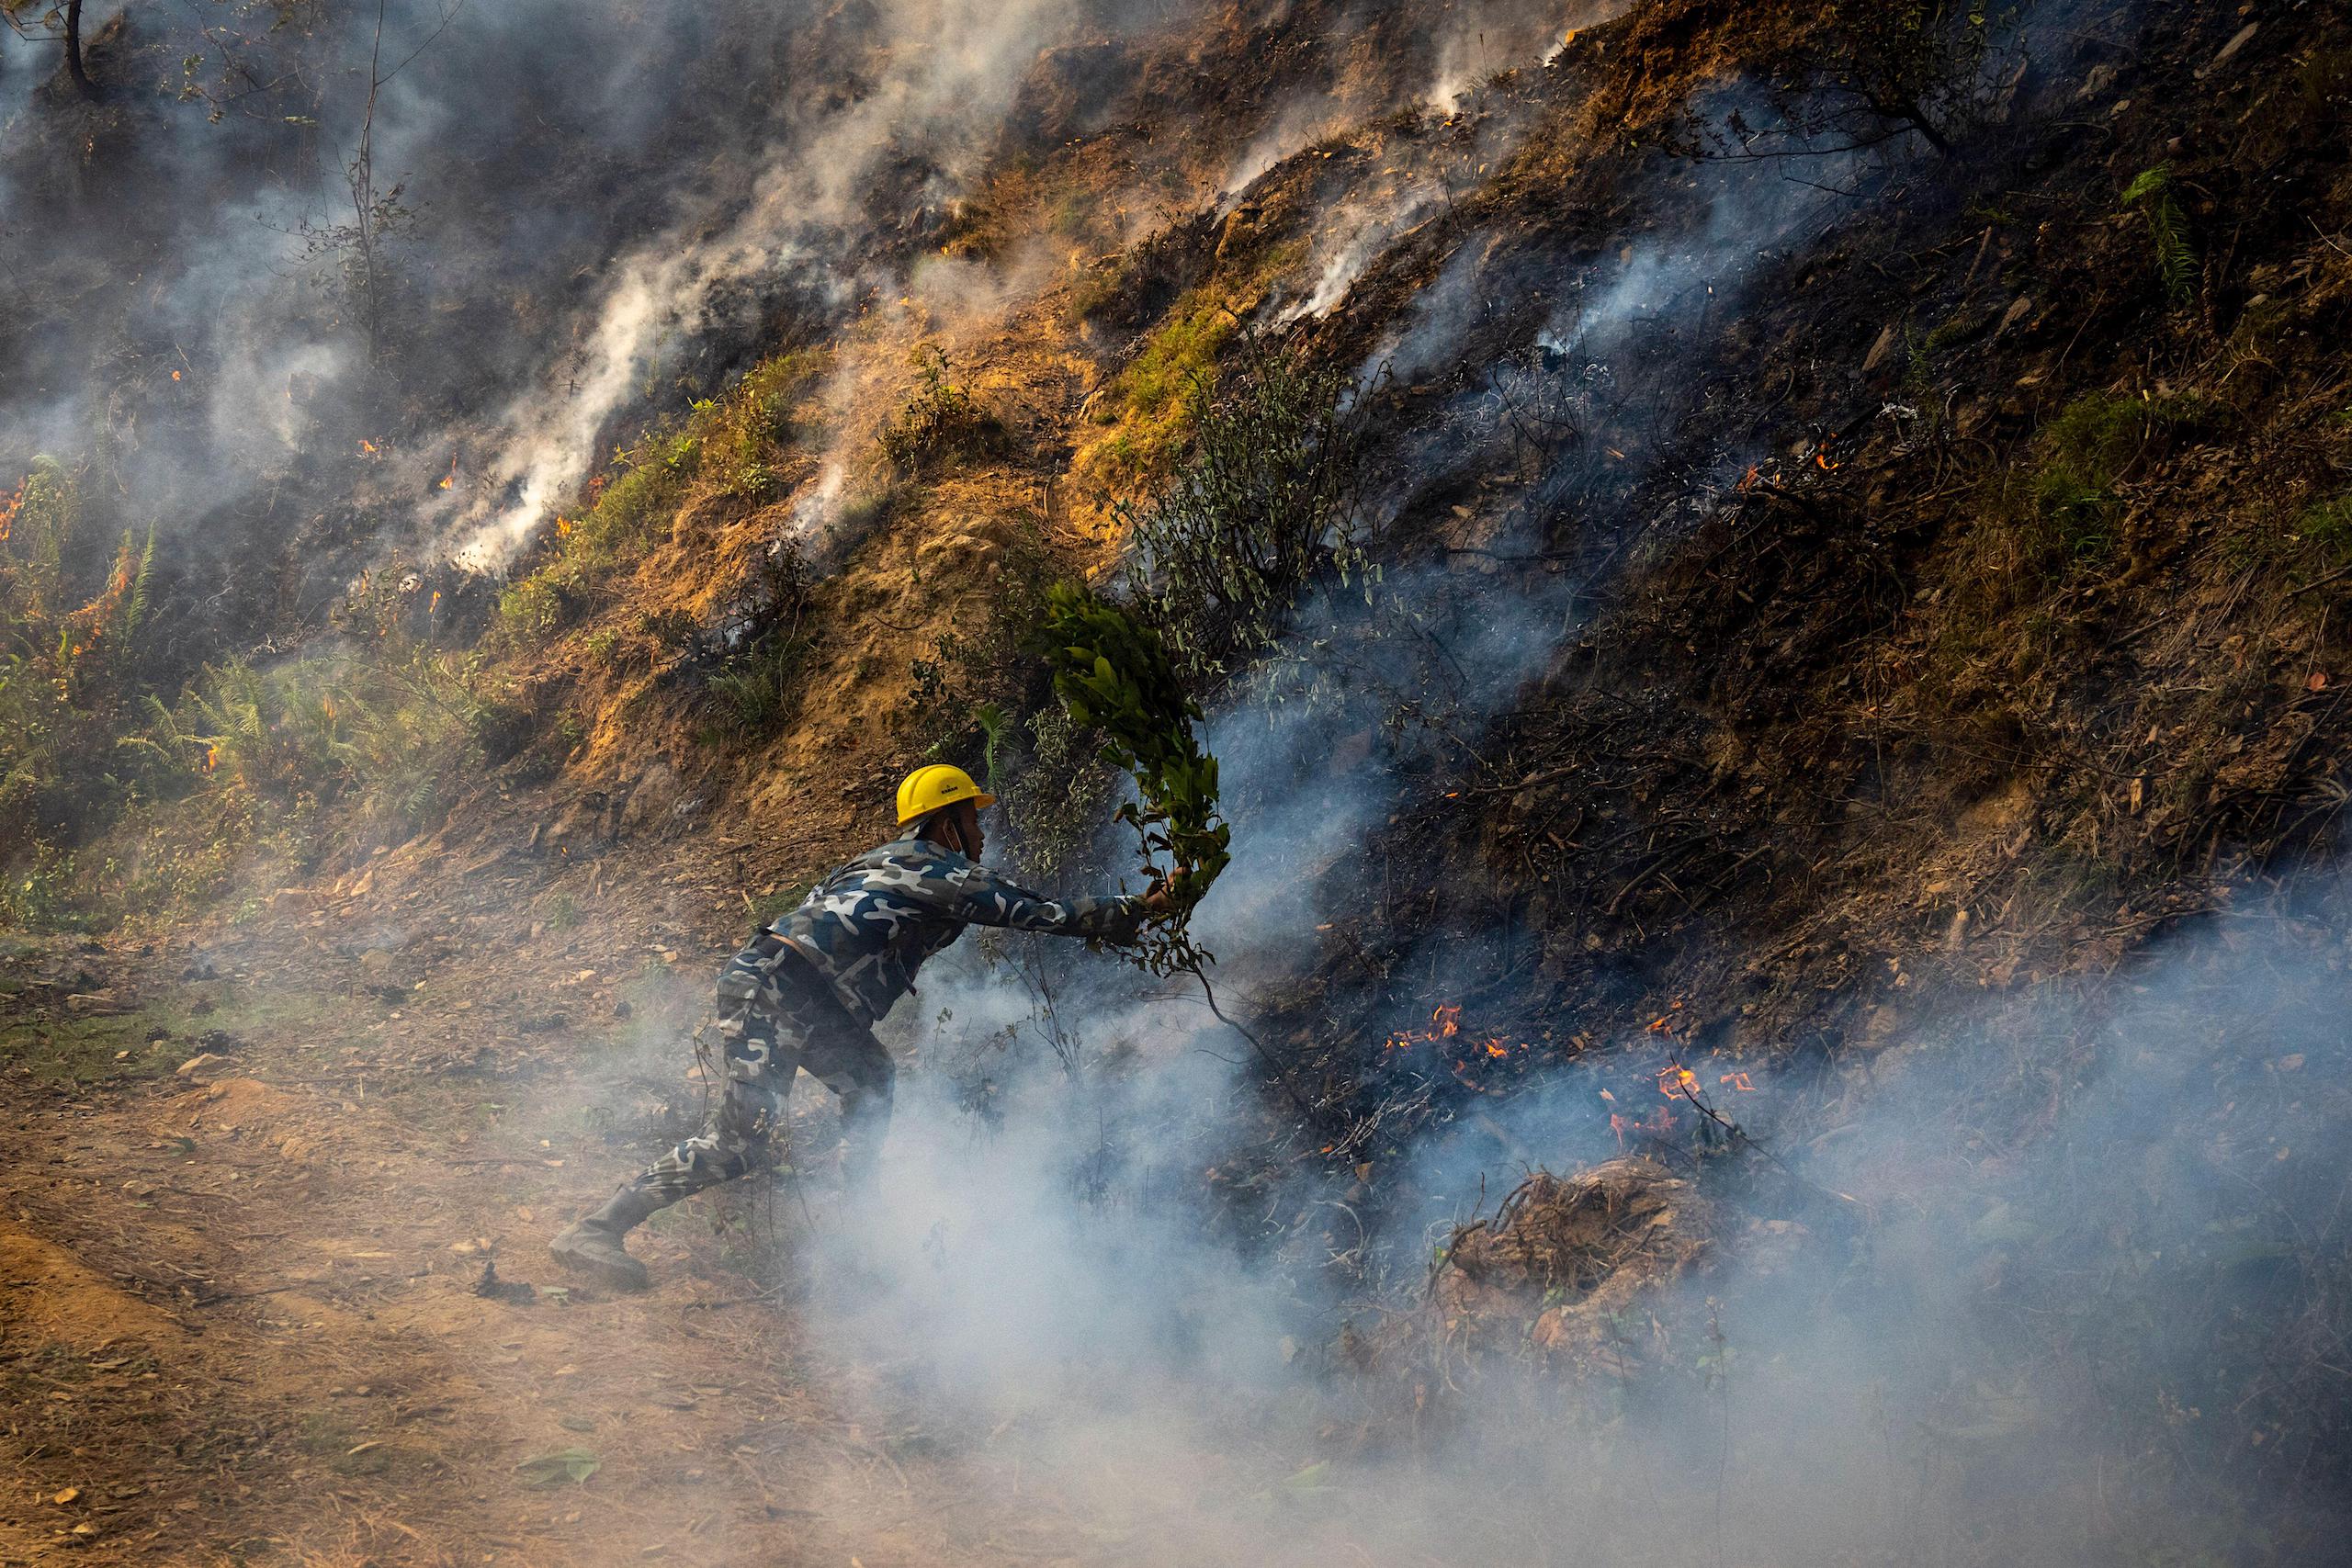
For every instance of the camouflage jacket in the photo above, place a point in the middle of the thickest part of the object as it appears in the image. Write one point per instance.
(868, 925)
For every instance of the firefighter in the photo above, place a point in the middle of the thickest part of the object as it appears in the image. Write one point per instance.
(809, 990)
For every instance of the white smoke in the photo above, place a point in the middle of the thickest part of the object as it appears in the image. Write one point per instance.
(1297, 127)
(550, 437)
(1369, 227)
(942, 87)
(1479, 39)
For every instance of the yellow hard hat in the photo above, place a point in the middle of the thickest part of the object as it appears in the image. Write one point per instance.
(927, 789)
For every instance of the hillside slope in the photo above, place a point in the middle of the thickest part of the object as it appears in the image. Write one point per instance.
(1837, 699)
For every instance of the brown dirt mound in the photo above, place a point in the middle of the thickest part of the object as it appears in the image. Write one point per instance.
(1564, 1256)
(239, 1104)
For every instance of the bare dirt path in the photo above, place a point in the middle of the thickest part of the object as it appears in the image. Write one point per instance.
(241, 1320)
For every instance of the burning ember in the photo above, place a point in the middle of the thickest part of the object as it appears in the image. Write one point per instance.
(1445, 1025)
(1676, 1083)
(1658, 1123)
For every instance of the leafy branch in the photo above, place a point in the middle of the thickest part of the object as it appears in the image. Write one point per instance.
(1112, 674)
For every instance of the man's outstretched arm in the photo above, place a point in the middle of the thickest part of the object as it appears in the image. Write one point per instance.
(975, 893)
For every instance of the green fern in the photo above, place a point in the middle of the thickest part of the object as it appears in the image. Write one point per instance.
(2177, 262)
(2147, 182)
(134, 608)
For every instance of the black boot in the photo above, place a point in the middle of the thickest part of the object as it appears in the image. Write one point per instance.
(594, 1245)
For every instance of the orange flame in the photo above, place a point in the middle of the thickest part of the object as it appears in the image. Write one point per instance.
(1658, 1123)
(1445, 1023)
(1739, 1081)
(451, 477)
(211, 758)
(176, 375)
(435, 603)
(368, 448)
(8, 509)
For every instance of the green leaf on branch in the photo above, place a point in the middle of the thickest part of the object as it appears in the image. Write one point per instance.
(1113, 672)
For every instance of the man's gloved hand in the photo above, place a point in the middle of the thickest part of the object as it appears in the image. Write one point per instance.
(1157, 901)
(1167, 895)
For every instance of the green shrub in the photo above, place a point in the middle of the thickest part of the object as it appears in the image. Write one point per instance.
(532, 608)
(941, 423)
(380, 734)
(2082, 452)
(1054, 800)
(1104, 286)
(731, 445)
(2328, 525)
(1158, 399)
(1957, 329)
(45, 894)
(71, 612)
(1858, 72)
(755, 693)
(755, 688)
(744, 432)
(1265, 507)
(633, 512)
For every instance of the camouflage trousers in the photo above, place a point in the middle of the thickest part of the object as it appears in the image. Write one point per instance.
(776, 1016)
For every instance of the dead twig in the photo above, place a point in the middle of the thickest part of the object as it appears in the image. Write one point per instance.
(1282, 1074)
(1684, 1082)
(2323, 581)
(219, 1297)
